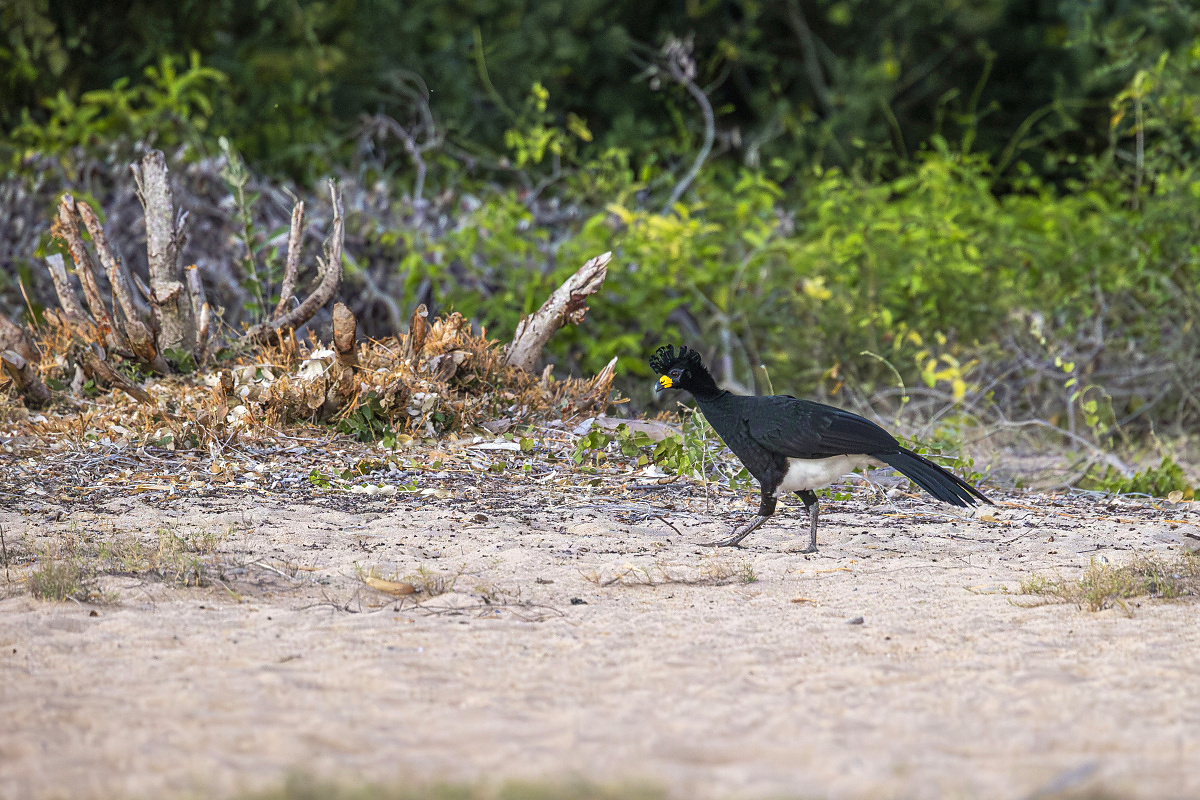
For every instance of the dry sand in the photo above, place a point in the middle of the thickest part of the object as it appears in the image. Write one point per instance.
(704, 684)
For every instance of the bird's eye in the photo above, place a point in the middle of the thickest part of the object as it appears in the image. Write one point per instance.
(676, 374)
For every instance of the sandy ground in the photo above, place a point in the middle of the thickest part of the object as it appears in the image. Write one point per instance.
(586, 637)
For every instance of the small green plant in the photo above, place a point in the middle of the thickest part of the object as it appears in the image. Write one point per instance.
(1103, 585)
(535, 135)
(748, 574)
(369, 422)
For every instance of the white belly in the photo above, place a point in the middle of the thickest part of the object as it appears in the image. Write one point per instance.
(815, 473)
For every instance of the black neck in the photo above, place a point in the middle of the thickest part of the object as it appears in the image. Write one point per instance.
(703, 387)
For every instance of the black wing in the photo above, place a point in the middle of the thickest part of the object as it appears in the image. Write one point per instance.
(803, 429)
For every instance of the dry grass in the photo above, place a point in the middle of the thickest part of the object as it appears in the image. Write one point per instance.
(73, 565)
(457, 381)
(713, 572)
(1104, 585)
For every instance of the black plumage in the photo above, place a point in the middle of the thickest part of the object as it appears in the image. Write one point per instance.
(793, 445)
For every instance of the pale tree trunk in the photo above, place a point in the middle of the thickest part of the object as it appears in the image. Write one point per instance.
(170, 304)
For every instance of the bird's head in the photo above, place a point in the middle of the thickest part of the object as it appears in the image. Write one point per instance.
(680, 370)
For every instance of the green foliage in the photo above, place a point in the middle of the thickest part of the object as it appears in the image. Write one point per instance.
(694, 453)
(1166, 479)
(823, 81)
(535, 135)
(171, 106)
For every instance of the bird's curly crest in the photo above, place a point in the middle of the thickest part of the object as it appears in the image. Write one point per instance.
(665, 358)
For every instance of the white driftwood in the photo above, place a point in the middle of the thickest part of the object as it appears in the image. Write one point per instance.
(170, 305)
(568, 303)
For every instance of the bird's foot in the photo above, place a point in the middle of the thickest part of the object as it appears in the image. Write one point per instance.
(733, 541)
(739, 534)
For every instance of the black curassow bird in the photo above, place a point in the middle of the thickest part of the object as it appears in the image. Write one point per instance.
(792, 445)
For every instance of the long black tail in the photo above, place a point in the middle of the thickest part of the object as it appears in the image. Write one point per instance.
(945, 486)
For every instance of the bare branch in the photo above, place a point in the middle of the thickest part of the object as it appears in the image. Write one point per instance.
(682, 68)
(66, 293)
(331, 274)
(118, 273)
(568, 303)
(174, 320)
(201, 310)
(808, 48)
(295, 235)
(25, 378)
(66, 229)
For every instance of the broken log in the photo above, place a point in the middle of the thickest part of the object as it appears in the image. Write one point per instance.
(568, 303)
(100, 369)
(26, 379)
(201, 310)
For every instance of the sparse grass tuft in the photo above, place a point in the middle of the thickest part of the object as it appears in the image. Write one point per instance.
(432, 583)
(714, 572)
(57, 581)
(1103, 585)
(176, 558)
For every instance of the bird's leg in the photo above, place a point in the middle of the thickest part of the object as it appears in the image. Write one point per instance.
(810, 505)
(765, 510)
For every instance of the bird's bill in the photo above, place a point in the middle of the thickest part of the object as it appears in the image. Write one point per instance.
(663, 384)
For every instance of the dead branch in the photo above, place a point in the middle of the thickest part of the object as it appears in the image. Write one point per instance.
(811, 60)
(170, 309)
(13, 337)
(418, 327)
(118, 273)
(66, 229)
(681, 66)
(568, 303)
(330, 276)
(201, 311)
(100, 369)
(292, 267)
(72, 310)
(345, 334)
(26, 379)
